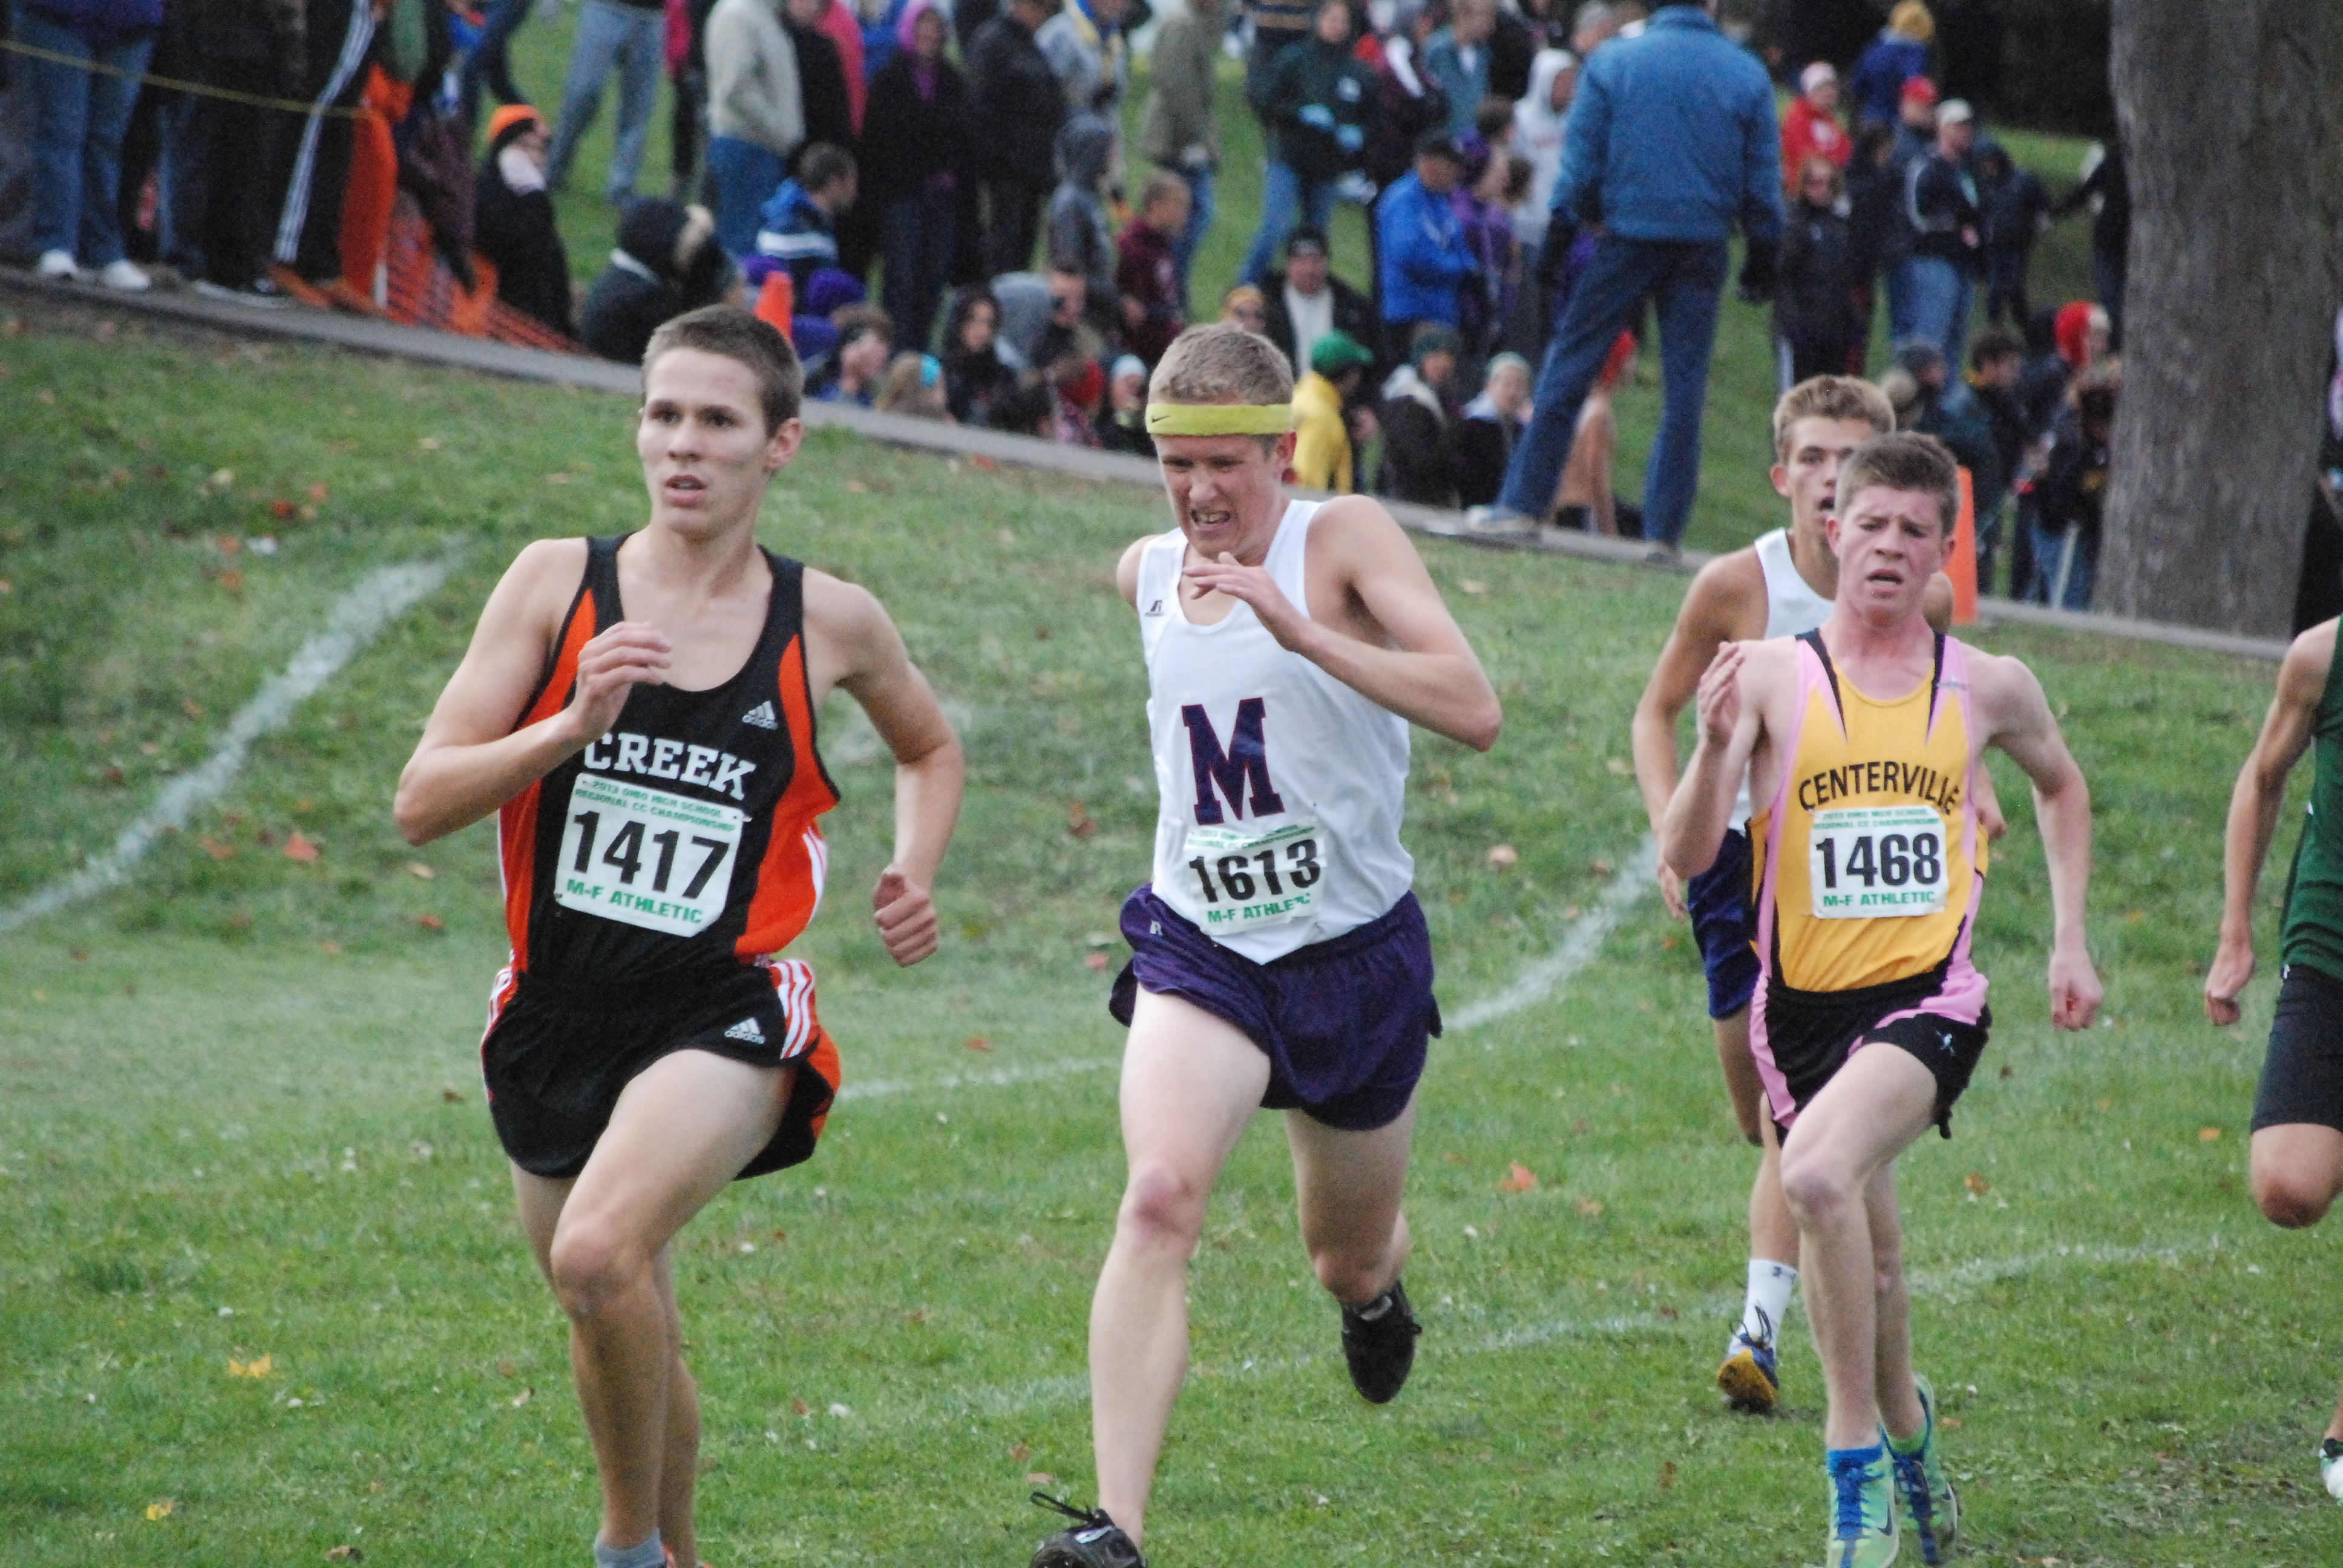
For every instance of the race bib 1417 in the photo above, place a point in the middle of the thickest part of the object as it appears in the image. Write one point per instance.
(646, 858)
(1250, 880)
(1868, 861)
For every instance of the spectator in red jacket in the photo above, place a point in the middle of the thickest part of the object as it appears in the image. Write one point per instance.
(1147, 267)
(1810, 127)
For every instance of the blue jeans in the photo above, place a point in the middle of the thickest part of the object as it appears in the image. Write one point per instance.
(1685, 279)
(1201, 212)
(491, 65)
(2049, 555)
(1935, 296)
(1285, 194)
(747, 175)
(78, 119)
(921, 232)
(632, 42)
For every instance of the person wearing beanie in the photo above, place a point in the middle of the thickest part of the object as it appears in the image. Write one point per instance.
(1492, 423)
(1810, 127)
(1419, 423)
(666, 262)
(513, 223)
(1899, 54)
(1325, 458)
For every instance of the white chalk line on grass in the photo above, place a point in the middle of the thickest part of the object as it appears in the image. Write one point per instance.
(1697, 1317)
(1580, 944)
(357, 620)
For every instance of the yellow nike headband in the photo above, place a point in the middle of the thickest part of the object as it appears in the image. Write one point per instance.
(1218, 419)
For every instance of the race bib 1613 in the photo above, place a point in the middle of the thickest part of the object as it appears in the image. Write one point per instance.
(1250, 880)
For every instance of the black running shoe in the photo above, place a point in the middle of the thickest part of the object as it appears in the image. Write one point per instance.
(1094, 1541)
(1379, 1341)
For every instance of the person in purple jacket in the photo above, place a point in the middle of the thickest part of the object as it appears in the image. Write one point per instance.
(81, 106)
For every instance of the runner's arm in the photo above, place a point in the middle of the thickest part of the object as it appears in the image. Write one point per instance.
(1693, 829)
(2253, 812)
(471, 759)
(877, 671)
(1713, 613)
(1429, 677)
(2020, 722)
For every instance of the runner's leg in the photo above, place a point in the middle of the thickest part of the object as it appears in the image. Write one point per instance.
(682, 1131)
(1881, 1100)
(1190, 1084)
(2296, 1171)
(1772, 1233)
(1892, 1383)
(1348, 1187)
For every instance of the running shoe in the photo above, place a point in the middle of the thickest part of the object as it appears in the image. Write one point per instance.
(1093, 1540)
(1379, 1344)
(1931, 1506)
(1751, 1377)
(2330, 1467)
(1863, 1516)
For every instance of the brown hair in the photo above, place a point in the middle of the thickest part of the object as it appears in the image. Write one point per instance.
(735, 333)
(854, 321)
(1829, 397)
(1905, 460)
(1161, 184)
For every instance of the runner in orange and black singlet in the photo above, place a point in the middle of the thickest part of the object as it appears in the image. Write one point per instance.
(649, 879)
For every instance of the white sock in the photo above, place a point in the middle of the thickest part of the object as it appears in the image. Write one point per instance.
(1769, 1292)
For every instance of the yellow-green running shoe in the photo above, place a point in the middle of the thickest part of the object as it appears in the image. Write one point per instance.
(1862, 1512)
(1931, 1506)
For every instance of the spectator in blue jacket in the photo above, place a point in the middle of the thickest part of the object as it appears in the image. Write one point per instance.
(1672, 144)
(800, 222)
(1423, 259)
(82, 89)
(1899, 54)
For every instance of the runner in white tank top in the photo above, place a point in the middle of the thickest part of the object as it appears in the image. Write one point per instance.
(1282, 787)
(1278, 958)
(1778, 586)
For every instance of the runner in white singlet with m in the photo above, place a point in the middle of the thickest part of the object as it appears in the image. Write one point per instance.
(1278, 958)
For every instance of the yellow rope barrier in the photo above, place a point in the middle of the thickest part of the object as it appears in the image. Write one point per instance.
(199, 90)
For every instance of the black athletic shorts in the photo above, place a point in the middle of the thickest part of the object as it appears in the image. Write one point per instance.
(2302, 1076)
(557, 1056)
(1810, 1035)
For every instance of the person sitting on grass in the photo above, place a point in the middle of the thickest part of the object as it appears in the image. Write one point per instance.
(1123, 423)
(1492, 422)
(977, 375)
(800, 222)
(1419, 423)
(513, 224)
(660, 798)
(668, 263)
(866, 340)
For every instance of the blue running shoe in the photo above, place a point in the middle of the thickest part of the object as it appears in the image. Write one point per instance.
(1863, 1515)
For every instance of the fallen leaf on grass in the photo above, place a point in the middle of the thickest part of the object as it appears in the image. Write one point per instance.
(258, 1367)
(557, 479)
(1668, 1474)
(1504, 855)
(1588, 1208)
(431, 923)
(523, 1397)
(282, 509)
(417, 869)
(1095, 962)
(976, 1042)
(452, 1096)
(2208, 1135)
(843, 1412)
(214, 849)
(229, 545)
(2008, 1071)
(344, 1552)
(1020, 1454)
(1949, 1422)
(1040, 1478)
(1976, 1184)
(1469, 585)
(6, 587)
(430, 443)
(857, 487)
(191, 708)
(316, 492)
(799, 1407)
(329, 947)
(232, 580)
(1520, 1178)
(986, 464)
(1079, 820)
(1619, 767)
(1668, 942)
(162, 1508)
(298, 847)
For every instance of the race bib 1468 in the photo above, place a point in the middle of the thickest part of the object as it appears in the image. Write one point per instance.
(645, 857)
(1866, 861)
(1249, 880)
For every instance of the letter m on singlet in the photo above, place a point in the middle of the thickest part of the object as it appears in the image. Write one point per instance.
(1246, 761)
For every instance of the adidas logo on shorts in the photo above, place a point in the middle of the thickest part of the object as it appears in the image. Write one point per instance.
(761, 716)
(746, 1029)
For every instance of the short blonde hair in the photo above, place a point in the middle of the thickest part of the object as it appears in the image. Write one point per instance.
(1829, 397)
(1221, 363)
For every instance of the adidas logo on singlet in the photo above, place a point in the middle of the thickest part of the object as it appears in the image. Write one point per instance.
(746, 1029)
(761, 716)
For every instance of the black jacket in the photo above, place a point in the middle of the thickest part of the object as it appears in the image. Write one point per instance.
(907, 140)
(1354, 313)
(516, 231)
(1017, 105)
(1815, 303)
(822, 87)
(657, 281)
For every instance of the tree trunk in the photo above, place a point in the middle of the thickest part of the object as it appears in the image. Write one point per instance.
(2230, 119)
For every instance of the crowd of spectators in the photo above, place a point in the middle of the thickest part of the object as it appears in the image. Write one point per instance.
(1546, 187)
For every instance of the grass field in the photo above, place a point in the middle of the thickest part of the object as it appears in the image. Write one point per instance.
(261, 1294)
